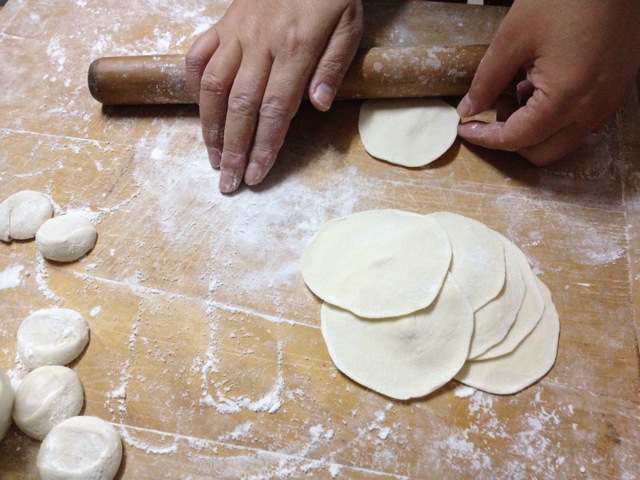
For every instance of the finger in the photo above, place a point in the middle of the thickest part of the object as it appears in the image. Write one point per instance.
(335, 60)
(197, 58)
(215, 85)
(245, 100)
(557, 145)
(280, 103)
(496, 70)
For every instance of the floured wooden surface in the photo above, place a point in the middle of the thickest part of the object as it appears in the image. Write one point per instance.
(205, 346)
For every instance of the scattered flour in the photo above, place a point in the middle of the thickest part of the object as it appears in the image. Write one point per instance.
(10, 277)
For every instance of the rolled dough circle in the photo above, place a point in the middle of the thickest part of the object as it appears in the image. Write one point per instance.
(80, 448)
(525, 365)
(53, 336)
(411, 132)
(22, 213)
(47, 396)
(378, 263)
(478, 262)
(403, 357)
(66, 238)
(6, 403)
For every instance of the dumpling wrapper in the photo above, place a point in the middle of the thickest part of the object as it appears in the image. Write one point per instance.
(525, 365)
(412, 132)
(378, 263)
(478, 262)
(528, 316)
(493, 320)
(404, 357)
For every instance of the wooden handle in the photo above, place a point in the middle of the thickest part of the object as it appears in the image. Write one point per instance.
(375, 73)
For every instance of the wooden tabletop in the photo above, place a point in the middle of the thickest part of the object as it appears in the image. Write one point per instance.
(205, 347)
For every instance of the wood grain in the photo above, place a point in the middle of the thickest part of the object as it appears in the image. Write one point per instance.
(205, 346)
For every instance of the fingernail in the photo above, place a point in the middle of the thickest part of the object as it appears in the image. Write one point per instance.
(229, 181)
(253, 174)
(214, 157)
(323, 96)
(465, 107)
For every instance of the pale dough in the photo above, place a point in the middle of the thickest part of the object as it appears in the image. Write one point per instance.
(403, 357)
(6, 403)
(478, 262)
(493, 321)
(66, 238)
(528, 316)
(411, 132)
(378, 263)
(22, 213)
(529, 362)
(80, 448)
(54, 336)
(47, 396)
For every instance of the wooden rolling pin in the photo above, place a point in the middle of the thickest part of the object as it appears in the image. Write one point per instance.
(375, 73)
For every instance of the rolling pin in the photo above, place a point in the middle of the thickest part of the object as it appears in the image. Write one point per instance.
(379, 72)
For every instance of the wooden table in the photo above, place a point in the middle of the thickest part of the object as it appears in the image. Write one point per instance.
(205, 346)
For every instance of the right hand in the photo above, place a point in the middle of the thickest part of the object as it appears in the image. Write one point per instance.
(250, 71)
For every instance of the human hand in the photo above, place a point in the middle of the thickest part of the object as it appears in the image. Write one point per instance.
(250, 71)
(580, 57)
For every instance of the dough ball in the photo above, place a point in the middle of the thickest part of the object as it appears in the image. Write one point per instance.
(403, 357)
(528, 363)
(411, 132)
(54, 336)
(22, 213)
(66, 238)
(378, 263)
(6, 403)
(478, 262)
(46, 396)
(80, 448)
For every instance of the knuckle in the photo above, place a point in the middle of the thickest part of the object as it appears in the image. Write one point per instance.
(243, 105)
(213, 84)
(232, 160)
(265, 155)
(276, 109)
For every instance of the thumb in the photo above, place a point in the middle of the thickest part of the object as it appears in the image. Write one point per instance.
(335, 60)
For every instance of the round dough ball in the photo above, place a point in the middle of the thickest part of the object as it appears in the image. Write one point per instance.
(478, 262)
(378, 263)
(411, 131)
(53, 336)
(528, 363)
(22, 213)
(403, 357)
(47, 396)
(66, 238)
(80, 448)
(6, 403)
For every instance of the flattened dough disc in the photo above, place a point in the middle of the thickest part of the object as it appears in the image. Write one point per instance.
(478, 262)
(405, 357)
(525, 365)
(411, 131)
(378, 263)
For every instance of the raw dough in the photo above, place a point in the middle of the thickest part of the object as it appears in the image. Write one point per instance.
(478, 262)
(411, 132)
(403, 357)
(54, 336)
(66, 238)
(22, 213)
(378, 263)
(6, 403)
(529, 362)
(528, 316)
(80, 448)
(493, 321)
(46, 396)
